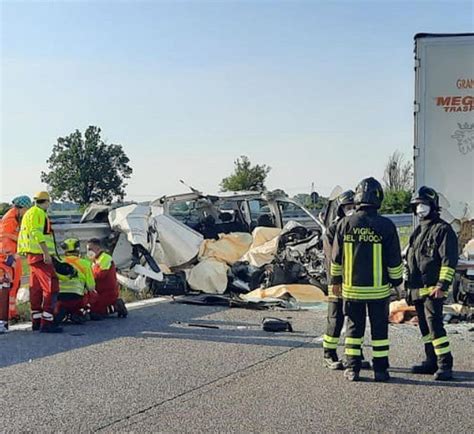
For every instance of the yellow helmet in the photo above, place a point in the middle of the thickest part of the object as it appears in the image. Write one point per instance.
(71, 245)
(42, 195)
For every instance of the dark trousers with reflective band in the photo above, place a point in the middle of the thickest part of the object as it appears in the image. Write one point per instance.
(378, 316)
(430, 320)
(335, 321)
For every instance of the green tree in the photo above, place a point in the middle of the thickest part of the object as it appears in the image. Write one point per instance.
(398, 184)
(246, 176)
(396, 202)
(85, 169)
(305, 200)
(398, 174)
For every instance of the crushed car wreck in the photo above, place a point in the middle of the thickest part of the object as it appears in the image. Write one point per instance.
(231, 243)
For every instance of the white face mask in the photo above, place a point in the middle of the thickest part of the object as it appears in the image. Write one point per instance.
(423, 210)
(349, 212)
(90, 254)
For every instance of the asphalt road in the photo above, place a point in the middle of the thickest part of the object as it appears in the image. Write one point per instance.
(152, 372)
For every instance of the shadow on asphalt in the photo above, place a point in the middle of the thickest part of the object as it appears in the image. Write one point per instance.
(163, 321)
(461, 379)
(172, 321)
(246, 337)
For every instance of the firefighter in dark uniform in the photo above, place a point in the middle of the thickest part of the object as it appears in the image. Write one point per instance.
(431, 261)
(335, 318)
(366, 260)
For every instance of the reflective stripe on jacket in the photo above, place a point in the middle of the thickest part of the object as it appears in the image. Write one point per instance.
(328, 241)
(35, 229)
(84, 281)
(432, 256)
(366, 256)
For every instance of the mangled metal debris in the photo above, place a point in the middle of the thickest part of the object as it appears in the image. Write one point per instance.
(244, 244)
(212, 266)
(215, 245)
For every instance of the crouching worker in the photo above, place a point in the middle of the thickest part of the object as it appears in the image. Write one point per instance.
(73, 291)
(105, 301)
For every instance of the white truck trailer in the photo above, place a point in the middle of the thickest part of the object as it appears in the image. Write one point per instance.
(444, 120)
(444, 137)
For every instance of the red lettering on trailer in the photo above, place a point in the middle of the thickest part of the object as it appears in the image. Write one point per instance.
(468, 100)
(443, 100)
(453, 104)
(456, 100)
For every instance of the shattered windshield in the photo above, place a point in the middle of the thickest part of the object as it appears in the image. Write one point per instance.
(293, 212)
(186, 212)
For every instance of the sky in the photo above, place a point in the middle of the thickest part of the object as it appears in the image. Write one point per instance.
(321, 91)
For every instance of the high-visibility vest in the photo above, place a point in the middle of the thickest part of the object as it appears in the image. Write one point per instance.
(84, 281)
(105, 274)
(35, 229)
(9, 228)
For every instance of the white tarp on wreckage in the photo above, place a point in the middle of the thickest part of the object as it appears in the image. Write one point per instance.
(150, 243)
(159, 237)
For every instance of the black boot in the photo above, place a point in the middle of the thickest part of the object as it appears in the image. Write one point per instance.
(60, 316)
(78, 319)
(430, 365)
(381, 376)
(120, 308)
(443, 374)
(445, 371)
(351, 375)
(331, 361)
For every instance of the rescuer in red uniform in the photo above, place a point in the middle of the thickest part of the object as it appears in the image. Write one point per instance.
(106, 300)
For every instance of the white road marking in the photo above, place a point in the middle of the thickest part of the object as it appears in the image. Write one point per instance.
(130, 306)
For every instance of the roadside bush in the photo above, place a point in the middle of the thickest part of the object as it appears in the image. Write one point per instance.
(396, 202)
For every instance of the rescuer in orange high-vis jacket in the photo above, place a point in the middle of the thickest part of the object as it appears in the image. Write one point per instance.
(9, 230)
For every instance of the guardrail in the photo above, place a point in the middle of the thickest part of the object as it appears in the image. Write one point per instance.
(83, 232)
(401, 220)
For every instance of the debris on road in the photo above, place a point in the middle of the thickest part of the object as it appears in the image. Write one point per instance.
(400, 312)
(456, 313)
(463, 285)
(275, 325)
(199, 325)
